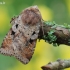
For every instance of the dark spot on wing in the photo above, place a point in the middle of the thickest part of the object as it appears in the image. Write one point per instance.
(31, 41)
(16, 25)
(33, 33)
(12, 33)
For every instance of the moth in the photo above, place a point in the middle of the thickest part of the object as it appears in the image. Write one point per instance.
(21, 39)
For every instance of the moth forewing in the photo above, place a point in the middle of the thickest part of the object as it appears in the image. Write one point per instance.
(21, 39)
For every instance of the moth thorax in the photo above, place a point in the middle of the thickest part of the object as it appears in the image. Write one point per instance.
(31, 16)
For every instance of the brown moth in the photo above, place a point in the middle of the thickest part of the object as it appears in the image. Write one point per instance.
(21, 39)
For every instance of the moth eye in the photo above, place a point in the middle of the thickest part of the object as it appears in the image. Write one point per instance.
(12, 33)
(16, 25)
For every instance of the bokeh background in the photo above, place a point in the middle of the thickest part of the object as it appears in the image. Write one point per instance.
(51, 10)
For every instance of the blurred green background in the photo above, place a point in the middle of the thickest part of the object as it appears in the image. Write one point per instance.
(51, 10)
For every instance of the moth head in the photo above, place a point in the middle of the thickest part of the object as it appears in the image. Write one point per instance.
(31, 16)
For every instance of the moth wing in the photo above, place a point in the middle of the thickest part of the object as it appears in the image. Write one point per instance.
(18, 47)
(26, 53)
(21, 39)
(6, 47)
